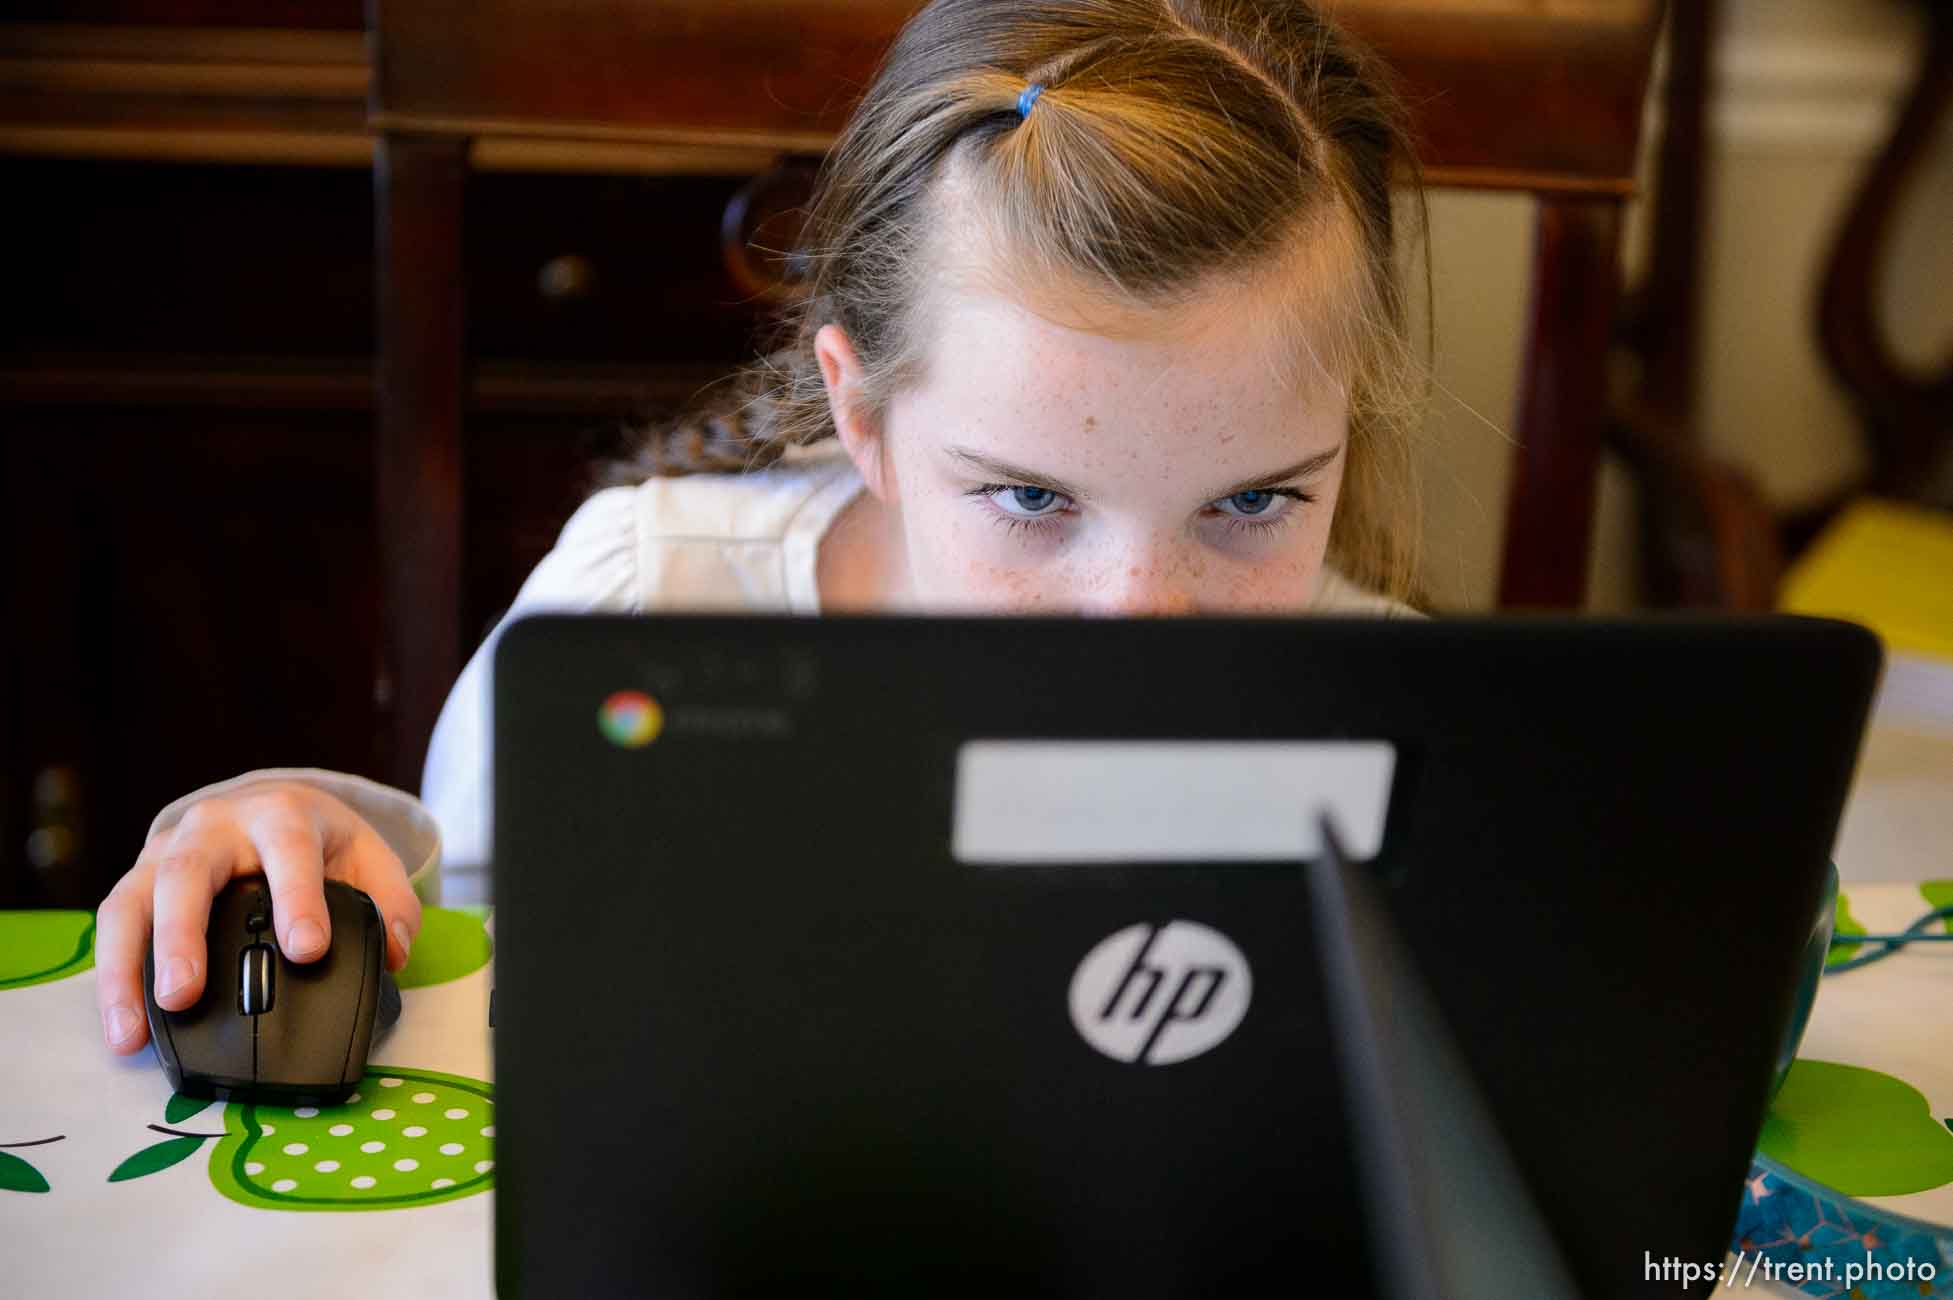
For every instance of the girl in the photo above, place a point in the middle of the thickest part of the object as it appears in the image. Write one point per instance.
(1102, 316)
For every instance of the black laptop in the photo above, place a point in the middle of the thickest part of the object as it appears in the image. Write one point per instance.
(879, 956)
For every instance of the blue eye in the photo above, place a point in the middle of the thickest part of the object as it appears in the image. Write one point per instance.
(1254, 511)
(1253, 503)
(1033, 498)
(1020, 506)
(1027, 508)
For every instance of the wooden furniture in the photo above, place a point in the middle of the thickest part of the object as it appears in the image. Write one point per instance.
(1908, 416)
(1708, 537)
(189, 469)
(192, 585)
(1538, 96)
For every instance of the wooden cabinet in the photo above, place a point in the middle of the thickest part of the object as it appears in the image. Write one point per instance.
(192, 583)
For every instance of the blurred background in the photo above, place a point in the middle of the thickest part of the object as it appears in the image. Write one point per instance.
(1801, 97)
(199, 570)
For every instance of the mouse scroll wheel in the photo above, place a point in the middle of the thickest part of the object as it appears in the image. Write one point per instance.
(255, 980)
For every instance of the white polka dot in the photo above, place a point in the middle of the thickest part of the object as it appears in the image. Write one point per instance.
(253, 1168)
(306, 1112)
(296, 1148)
(389, 1083)
(414, 1131)
(370, 1147)
(488, 1130)
(383, 1113)
(327, 1166)
(266, 1129)
(452, 1148)
(455, 1112)
(340, 1130)
(363, 1182)
(422, 1098)
(439, 1183)
(406, 1164)
(283, 1185)
(350, 1100)
(483, 1166)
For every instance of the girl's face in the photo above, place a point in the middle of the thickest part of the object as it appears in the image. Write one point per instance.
(1132, 462)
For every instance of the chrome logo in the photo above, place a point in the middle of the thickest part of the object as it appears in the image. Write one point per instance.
(630, 719)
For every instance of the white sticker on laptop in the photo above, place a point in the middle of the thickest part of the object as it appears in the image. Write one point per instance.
(1067, 801)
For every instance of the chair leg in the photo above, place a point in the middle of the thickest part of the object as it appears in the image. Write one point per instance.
(1562, 403)
(418, 184)
(1907, 413)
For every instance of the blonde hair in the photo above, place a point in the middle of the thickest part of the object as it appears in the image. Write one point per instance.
(1176, 143)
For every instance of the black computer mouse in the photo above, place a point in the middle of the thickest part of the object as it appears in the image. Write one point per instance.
(273, 1030)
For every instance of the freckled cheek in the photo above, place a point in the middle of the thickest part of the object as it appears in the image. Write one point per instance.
(1274, 576)
(1272, 589)
(974, 564)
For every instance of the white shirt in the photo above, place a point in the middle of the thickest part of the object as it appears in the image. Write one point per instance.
(700, 542)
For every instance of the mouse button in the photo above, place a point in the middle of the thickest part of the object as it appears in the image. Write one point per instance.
(207, 1043)
(352, 910)
(302, 1043)
(321, 1011)
(236, 901)
(225, 939)
(219, 999)
(322, 1025)
(210, 1043)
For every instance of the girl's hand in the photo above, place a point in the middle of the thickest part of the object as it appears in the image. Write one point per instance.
(296, 836)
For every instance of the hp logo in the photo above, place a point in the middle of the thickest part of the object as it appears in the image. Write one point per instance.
(1159, 995)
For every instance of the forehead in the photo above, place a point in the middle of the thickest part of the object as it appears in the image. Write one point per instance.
(994, 324)
(1229, 358)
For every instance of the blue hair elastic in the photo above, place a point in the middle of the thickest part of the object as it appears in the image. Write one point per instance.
(1028, 98)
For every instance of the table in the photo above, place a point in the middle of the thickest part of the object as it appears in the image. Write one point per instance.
(109, 1186)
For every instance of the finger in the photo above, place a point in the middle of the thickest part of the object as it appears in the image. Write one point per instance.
(372, 865)
(200, 857)
(285, 833)
(121, 935)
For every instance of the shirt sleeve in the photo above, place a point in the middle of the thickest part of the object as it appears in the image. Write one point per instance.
(401, 820)
(1338, 595)
(593, 567)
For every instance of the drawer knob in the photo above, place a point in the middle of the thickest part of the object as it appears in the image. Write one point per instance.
(54, 842)
(760, 230)
(568, 278)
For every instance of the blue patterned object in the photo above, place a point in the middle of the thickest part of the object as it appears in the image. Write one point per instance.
(1845, 1247)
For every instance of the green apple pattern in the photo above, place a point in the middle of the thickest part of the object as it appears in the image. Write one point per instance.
(36, 947)
(1857, 1131)
(406, 1137)
(451, 943)
(17, 1174)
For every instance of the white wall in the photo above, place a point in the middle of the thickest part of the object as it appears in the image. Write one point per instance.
(1481, 258)
(1806, 91)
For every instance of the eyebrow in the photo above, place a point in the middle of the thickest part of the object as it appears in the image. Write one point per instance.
(1031, 478)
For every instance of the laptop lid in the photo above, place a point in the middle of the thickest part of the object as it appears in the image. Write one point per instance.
(776, 1010)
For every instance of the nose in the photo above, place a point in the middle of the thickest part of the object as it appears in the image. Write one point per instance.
(1139, 588)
